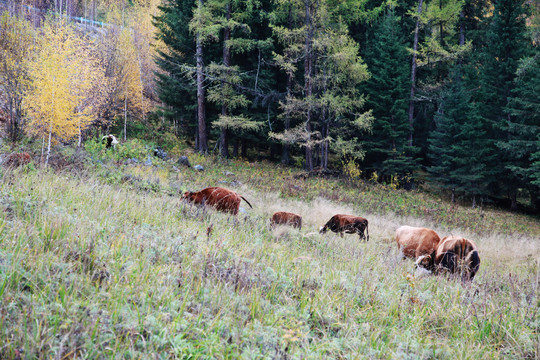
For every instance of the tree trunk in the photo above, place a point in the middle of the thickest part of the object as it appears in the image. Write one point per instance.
(125, 115)
(236, 145)
(142, 86)
(413, 73)
(513, 200)
(201, 109)
(48, 147)
(42, 150)
(453, 199)
(308, 87)
(324, 147)
(285, 154)
(224, 141)
(244, 148)
(12, 131)
(285, 157)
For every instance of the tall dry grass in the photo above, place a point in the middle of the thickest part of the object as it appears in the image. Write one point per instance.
(108, 262)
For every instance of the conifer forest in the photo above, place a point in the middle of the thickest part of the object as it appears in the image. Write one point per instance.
(443, 92)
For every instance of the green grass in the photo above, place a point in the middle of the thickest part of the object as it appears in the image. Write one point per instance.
(105, 261)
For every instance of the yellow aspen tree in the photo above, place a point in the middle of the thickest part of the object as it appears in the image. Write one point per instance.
(16, 49)
(94, 90)
(54, 103)
(130, 88)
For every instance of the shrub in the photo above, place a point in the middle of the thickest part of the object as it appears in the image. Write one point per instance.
(134, 148)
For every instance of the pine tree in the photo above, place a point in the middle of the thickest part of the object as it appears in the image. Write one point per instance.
(229, 16)
(175, 89)
(458, 150)
(326, 99)
(507, 43)
(523, 127)
(387, 148)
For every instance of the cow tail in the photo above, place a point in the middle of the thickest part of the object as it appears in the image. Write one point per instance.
(247, 202)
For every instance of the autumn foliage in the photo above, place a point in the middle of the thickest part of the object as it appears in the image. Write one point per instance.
(63, 74)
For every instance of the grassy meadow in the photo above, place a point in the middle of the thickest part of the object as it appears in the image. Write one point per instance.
(99, 259)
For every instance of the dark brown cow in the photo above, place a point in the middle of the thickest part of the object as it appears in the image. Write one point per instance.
(220, 198)
(417, 243)
(456, 254)
(286, 218)
(347, 223)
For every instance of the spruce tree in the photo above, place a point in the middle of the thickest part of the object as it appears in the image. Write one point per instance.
(175, 89)
(507, 43)
(523, 127)
(458, 150)
(387, 148)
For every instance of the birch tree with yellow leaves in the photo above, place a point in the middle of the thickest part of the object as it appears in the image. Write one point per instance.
(130, 89)
(62, 77)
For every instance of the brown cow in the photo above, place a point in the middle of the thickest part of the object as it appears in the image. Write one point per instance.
(417, 243)
(286, 218)
(220, 198)
(457, 255)
(347, 223)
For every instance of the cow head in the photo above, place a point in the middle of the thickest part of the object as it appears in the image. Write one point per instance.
(323, 229)
(188, 196)
(426, 261)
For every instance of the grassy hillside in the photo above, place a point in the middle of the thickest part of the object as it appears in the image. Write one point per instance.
(102, 260)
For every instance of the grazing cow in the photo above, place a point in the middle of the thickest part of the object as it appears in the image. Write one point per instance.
(457, 255)
(417, 243)
(220, 198)
(347, 223)
(286, 218)
(111, 141)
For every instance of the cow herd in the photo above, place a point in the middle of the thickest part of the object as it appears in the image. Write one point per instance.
(453, 254)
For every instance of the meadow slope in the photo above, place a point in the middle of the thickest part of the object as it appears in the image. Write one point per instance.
(106, 261)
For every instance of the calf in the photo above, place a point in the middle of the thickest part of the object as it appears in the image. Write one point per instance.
(286, 218)
(220, 198)
(347, 223)
(456, 254)
(111, 141)
(417, 243)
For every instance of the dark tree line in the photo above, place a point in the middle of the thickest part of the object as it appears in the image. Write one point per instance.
(450, 87)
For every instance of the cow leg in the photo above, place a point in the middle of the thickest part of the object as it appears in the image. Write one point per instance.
(341, 234)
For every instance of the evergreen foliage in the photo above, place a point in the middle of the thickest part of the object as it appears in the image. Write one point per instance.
(399, 87)
(507, 44)
(176, 90)
(523, 128)
(387, 147)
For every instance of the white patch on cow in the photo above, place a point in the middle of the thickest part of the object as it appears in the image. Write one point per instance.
(419, 260)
